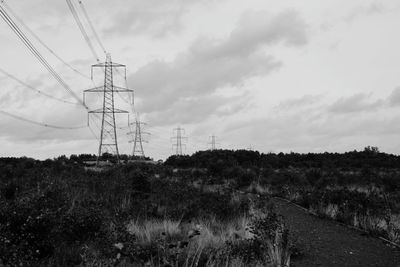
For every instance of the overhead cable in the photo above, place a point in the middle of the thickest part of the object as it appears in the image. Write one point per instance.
(36, 53)
(34, 89)
(40, 123)
(91, 26)
(82, 29)
(41, 41)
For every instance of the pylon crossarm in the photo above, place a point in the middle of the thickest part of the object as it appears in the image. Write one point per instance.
(116, 89)
(95, 89)
(108, 64)
(108, 111)
(122, 89)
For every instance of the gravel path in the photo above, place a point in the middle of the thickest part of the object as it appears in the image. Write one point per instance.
(325, 243)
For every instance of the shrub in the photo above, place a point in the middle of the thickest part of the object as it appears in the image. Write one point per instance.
(27, 226)
(273, 237)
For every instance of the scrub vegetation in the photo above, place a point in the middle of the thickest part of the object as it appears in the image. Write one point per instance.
(212, 208)
(59, 213)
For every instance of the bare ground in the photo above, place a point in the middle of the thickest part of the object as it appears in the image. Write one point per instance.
(323, 242)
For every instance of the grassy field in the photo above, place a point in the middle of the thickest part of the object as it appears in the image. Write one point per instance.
(360, 189)
(209, 209)
(56, 213)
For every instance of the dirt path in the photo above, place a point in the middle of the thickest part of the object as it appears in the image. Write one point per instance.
(326, 243)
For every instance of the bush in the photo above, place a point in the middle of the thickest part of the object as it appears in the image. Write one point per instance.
(273, 237)
(27, 226)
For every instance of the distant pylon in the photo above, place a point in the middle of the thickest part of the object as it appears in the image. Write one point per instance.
(108, 133)
(213, 142)
(178, 140)
(138, 140)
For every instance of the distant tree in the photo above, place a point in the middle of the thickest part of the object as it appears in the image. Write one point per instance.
(371, 150)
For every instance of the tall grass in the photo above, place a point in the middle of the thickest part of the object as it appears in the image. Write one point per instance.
(201, 236)
(208, 233)
(148, 231)
(207, 240)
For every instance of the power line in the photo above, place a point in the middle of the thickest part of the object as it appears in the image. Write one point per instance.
(41, 41)
(93, 133)
(91, 26)
(82, 29)
(14, 27)
(131, 95)
(34, 89)
(40, 123)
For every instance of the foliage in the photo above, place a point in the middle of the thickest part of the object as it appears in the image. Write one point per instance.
(56, 213)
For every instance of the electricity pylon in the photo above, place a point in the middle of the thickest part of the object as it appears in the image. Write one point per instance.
(213, 142)
(178, 140)
(138, 138)
(108, 133)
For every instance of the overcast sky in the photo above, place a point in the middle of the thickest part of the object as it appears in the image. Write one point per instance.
(302, 76)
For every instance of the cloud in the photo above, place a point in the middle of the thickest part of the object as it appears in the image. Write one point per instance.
(195, 110)
(364, 10)
(318, 129)
(21, 130)
(300, 102)
(259, 28)
(153, 17)
(161, 83)
(355, 103)
(210, 64)
(394, 98)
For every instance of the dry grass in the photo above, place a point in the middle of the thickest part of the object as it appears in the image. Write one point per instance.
(233, 263)
(386, 226)
(146, 232)
(393, 229)
(331, 210)
(259, 189)
(364, 189)
(213, 233)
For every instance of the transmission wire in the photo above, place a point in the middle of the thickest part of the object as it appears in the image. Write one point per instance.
(41, 41)
(82, 29)
(91, 26)
(36, 53)
(34, 89)
(40, 123)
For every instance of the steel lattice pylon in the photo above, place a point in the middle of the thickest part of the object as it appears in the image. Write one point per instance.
(108, 134)
(213, 142)
(138, 140)
(178, 138)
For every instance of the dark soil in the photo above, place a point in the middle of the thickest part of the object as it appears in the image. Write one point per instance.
(323, 242)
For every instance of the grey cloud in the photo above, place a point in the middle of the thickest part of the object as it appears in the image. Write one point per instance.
(304, 132)
(194, 110)
(340, 127)
(355, 103)
(365, 10)
(300, 102)
(6, 98)
(256, 29)
(232, 109)
(394, 98)
(261, 28)
(161, 84)
(209, 64)
(157, 18)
